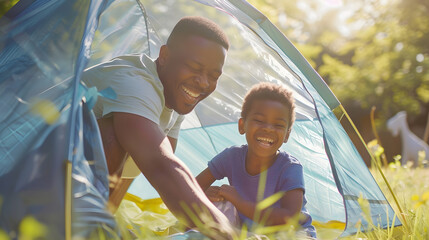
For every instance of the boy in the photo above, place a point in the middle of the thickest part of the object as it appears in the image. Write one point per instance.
(152, 97)
(266, 120)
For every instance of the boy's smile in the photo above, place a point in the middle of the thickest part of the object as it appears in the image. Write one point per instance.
(266, 128)
(265, 142)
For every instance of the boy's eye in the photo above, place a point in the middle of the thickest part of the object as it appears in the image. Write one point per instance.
(280, 126)
(257, 120)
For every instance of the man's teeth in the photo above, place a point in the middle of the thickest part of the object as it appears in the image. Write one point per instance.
(190, 93)
(268, 140)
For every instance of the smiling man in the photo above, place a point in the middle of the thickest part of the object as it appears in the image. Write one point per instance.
(152, 97)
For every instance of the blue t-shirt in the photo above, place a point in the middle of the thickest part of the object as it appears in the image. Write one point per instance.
(285, 174)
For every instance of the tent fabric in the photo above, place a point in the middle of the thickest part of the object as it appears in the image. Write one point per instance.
(47, 45)
(43, 52)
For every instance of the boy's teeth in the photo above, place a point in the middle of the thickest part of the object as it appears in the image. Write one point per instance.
(265, 140)
(190, 93)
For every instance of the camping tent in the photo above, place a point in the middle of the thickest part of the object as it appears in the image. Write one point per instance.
(49, 138)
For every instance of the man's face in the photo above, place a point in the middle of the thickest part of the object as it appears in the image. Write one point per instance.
(189, 70)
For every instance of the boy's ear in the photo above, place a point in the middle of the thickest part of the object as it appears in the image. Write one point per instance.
(287, 135)
(241, 126)
(164, 53)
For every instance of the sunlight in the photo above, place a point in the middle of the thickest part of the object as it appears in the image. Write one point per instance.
(333, 3)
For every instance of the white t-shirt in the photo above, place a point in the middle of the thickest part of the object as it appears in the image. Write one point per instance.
(138, 88)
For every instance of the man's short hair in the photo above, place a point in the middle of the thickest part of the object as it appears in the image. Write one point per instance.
(199, 26)
(269, 91)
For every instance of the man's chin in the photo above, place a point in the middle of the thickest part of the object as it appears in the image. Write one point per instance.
(184, 110)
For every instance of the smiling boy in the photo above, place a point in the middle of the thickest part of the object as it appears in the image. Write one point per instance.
(152, 97)
(266, 120)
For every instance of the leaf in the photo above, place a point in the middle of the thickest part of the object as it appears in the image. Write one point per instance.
(3, 235)
(30, 228)
(46, 110)
(330, 224)
(267, 202)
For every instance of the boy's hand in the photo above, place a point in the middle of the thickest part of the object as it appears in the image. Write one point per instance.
(213, 194)
(229, 193)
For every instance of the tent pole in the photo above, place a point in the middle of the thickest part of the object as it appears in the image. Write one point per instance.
(374, 131)
(378, 166)
(67, 202)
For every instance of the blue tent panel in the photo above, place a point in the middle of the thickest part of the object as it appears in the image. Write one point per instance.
(43, 48)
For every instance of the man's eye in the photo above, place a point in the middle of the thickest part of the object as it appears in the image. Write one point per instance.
(257, 120)
(214, 77)
(280, 126)
(193, 68)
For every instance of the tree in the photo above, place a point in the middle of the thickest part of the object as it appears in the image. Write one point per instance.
(386, 62)
(381, 60)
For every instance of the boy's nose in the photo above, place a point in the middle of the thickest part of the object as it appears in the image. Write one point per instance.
(268, 127)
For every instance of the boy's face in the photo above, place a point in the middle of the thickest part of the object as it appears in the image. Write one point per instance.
(189, 70)
(266, 127)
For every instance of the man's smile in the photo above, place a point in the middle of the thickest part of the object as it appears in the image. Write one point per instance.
(190, 93)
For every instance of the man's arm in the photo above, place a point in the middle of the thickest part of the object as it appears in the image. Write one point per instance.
(153, 154)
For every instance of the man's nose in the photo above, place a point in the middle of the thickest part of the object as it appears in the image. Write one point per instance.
(203, 81)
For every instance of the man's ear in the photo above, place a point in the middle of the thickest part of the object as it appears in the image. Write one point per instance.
(241, 126)
(164, 53)
(287, 135)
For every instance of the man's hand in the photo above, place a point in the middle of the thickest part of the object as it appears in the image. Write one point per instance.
(229, 193)
(213, 194)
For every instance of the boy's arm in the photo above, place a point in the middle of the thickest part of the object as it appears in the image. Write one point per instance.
(205, 179)
(153, 154)
(291, 204)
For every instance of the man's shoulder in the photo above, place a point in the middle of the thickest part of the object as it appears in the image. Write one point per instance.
(138, 90)
(126, 60)
(128, 72)
(122, 66)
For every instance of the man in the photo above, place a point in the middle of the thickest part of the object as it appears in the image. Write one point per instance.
(152, 97)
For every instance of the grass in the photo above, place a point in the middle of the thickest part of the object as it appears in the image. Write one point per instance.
(410, 185)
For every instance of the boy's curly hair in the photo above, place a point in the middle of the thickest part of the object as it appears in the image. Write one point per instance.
(269, 91)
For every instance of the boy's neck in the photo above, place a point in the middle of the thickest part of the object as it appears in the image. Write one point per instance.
(255, 164)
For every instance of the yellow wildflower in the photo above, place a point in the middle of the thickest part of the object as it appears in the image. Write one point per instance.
(420, 200)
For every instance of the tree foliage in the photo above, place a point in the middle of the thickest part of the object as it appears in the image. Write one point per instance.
(382, 60)
(386, 62)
